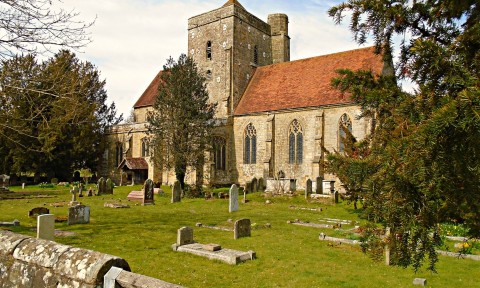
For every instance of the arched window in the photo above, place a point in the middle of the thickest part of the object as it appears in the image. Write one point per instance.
(209, 50)
(209, 75)
(250, 153)
(295, 143)
(255, 55)
(118, 154)
(344, 125)
(219, 147)
(145, 148)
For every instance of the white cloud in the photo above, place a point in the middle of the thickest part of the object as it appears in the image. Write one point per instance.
(133, 38)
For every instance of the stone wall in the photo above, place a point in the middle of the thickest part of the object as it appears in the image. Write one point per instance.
(27, 262)
(321, 124)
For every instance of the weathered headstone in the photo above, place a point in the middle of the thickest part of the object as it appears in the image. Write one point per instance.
(79, 214)
(242, 228)
(261, 185)
(38, 211)
(184, 236)
(148, 193)
(233, 199)
(46, 227)
(335, 197)
(101, 186)
(308, 186)
(319, 188)
(176, 192)
(109, 186)
(90, 192)
(293, 185)
(254, 185)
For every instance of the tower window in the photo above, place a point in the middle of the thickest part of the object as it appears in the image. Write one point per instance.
(295, 143)
(209, 50)
(145, 148)
(118, 154)
(250, 153)
(344, 131)
(220, 156)
(255, 55)
(209, 75)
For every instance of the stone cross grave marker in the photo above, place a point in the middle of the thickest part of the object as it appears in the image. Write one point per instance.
(79, 214)
(74, 192)
(46, 227)
(184, 236)
(233, 199)
(242, 228)
(176, 192)
(101, 186)
(108, 186)
(148, 193)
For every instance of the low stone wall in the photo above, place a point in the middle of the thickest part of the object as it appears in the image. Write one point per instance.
(27, 262)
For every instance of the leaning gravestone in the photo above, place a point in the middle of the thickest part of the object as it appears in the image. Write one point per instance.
(233, 199)
(261, 185)
(79, 214)
(176, 192)
(242, 228)
(101, 186)
(308, 188)
(46, 227)
(148, 193)
(108, 186)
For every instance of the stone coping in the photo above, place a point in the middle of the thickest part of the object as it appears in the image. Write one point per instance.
(229, 256)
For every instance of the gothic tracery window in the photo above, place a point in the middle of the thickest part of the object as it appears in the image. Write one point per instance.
(220, 151)
(344, 125)
(118, 154)
(295, 143)
(250, 152)
(145, 148)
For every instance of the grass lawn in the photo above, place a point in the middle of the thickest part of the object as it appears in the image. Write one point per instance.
(287, 255)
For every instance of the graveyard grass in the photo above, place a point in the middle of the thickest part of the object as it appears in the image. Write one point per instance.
(287, 255)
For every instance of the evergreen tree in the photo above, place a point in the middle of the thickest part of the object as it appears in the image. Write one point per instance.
(182, 118)
(422, 166)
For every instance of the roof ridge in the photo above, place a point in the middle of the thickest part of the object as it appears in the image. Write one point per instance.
(233, 2)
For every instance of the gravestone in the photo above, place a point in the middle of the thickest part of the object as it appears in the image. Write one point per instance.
(335, 197)
(176, 192)
(254, 185)
(184, 236)
(79, 214)
(38, 211)
(74, 192)
(90, 192)
(293, 185)
(46, 227)
(261, 185)
(308, 188)
(101, 186)
(242, 228)
(248, 187)
(233, 199)
(420, 281)
(319, 188)
(109, 186)
(148, 193)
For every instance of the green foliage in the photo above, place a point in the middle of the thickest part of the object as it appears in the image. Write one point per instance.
(46, 185)
(420, 165)
(53, 116)
(182, 118)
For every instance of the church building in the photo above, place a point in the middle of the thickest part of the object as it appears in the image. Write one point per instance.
(274, 115)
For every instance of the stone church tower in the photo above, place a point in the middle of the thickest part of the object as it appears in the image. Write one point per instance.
(228, 43)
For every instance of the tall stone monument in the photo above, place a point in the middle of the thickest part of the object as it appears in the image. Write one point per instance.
(176, 192)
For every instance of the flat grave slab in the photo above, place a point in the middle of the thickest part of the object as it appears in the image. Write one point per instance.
(229, 256)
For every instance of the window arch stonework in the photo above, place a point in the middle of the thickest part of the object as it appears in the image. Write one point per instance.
(344, 125)
(220, 153)
(295, 143)
(250, 145)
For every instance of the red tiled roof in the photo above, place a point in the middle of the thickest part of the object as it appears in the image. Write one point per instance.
(303, 83)
(134, 164)
(232, 2)
(148, 97)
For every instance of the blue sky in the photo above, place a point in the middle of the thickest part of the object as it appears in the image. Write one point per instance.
(133, 38)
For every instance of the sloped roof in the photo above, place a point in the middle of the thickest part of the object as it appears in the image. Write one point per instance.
(134, 164)
(148, 97)
(232, 2)
(303, 83)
